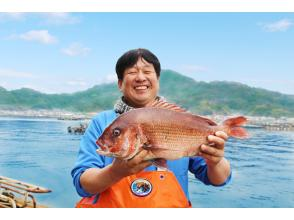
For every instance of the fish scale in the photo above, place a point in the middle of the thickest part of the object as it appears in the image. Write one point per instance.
(165, 130)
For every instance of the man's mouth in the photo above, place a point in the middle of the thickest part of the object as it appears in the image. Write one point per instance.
(141, 88)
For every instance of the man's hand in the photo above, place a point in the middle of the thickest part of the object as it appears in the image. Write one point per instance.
(213, 153)
(218, 168)
(96, 180)
(121, 168)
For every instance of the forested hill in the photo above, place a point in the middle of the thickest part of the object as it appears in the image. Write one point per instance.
(199, 97)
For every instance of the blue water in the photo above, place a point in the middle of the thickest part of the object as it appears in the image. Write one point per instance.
(40, 151)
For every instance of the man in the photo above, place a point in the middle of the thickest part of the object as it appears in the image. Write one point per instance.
(108, 182)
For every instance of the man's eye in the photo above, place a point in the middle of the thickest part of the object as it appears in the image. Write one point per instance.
(132, 72)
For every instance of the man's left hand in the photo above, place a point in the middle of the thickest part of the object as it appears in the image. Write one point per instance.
(213, 152)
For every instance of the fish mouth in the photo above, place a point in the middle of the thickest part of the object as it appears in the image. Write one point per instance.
(107, 153)
(104, 150)
(103, 147)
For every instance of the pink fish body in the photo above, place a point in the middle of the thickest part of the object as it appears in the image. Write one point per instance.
(165, 130)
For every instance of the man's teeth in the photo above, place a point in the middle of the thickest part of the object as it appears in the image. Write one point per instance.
(141, 87)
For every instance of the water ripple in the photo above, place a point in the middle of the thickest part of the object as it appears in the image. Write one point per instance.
(42, 152)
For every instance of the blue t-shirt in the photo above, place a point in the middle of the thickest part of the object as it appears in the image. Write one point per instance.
(88, 157)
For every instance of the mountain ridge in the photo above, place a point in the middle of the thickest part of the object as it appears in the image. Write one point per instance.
(216, 97)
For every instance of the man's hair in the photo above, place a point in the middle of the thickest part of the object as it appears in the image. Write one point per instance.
(131, 57)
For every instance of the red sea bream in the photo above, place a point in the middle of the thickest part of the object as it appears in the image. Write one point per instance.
(165, 130)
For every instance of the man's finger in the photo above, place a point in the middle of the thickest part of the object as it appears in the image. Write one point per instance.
(144, 164)
(209, 157)
(217, 141)
(222, 135)
(211, 151)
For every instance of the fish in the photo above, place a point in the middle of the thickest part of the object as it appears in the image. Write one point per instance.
(165, 130)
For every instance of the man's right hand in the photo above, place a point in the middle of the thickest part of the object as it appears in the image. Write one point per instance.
(121, 168)
(96, 180)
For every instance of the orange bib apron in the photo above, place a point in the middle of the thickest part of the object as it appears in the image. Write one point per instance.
(147, 189)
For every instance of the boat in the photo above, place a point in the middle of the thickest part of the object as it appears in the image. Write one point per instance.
(77, 129)
(18, 194)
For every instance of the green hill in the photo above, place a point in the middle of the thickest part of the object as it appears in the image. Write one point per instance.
(199, 97)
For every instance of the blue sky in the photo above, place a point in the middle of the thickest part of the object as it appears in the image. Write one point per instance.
(67, 52)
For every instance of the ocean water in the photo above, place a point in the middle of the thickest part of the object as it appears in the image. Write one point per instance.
(41, 152)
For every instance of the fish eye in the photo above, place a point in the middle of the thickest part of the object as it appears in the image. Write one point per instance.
(116, 132)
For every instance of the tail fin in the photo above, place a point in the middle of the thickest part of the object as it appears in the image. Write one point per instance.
(233, 129)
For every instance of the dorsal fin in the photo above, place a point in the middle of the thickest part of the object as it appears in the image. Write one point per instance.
(167, 105)
(174, 107)
(207, 120)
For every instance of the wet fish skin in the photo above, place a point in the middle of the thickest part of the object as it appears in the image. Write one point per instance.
(166, 133)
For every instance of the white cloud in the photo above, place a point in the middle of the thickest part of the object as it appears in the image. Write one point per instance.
(15, 74)
(3, 84)
(110, 78)
(41, 36)
(281, 25)
(59, 18)
(11, 16)
(76, 49)
(55, 18)
(77, 82)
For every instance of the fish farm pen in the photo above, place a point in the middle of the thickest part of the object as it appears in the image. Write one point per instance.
(268, 123)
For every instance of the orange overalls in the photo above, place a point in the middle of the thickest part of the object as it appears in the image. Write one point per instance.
(147, 189)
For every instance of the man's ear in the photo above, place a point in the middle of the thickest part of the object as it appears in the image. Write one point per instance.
(119, 83)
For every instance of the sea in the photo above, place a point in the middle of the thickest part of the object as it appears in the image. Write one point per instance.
(40, 151)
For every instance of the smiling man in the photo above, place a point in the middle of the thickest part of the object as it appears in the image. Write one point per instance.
(140, 82)
(108, 182)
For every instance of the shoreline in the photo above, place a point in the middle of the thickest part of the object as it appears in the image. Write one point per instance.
(261, 122)
(54, 114)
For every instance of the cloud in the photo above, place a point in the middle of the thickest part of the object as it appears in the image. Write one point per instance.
(54, 18)
(281, 25)
(3, 84)
(59, 18)
(15, 16)
(15, 74)
(110, 78)
(76, 49)
(41, 36)
(77, 82)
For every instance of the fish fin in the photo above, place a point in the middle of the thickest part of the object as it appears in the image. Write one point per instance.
(206, 120)
(167, 105)
(236, 121)
(239, 133)
(233, 129)
(160, 163)
(174, 107)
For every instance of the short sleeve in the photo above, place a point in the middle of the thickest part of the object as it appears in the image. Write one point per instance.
(198, 167)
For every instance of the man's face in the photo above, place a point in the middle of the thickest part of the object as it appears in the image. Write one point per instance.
(140, 84)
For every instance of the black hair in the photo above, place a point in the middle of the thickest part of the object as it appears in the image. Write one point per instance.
(131, 57)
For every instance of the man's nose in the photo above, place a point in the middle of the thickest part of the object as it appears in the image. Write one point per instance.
(140, 76)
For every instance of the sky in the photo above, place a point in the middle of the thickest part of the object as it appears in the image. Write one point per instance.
(69, 52)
